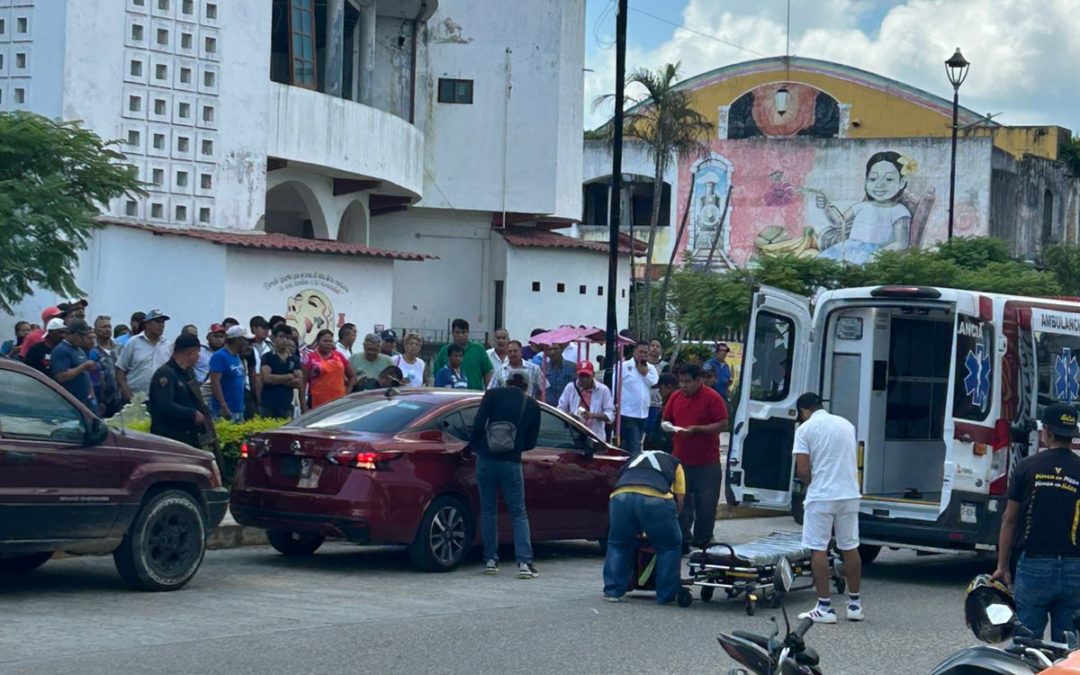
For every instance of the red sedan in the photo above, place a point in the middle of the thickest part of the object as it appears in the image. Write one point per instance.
(395, 468)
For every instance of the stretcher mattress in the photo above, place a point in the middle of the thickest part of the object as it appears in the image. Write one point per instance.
(757, 553)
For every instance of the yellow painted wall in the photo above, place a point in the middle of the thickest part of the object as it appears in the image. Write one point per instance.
(879, 112)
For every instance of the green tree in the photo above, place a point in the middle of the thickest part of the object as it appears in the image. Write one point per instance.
(1063, 261)
(1070, 154)
(53, 177)
(664, 119)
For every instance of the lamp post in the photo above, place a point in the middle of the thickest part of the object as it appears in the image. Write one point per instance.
(957, 70)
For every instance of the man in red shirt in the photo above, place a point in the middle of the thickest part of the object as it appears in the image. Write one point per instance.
(698, 415)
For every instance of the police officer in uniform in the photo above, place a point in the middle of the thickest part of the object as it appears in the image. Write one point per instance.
(1042, 517)
(177, 409)
(647, 498)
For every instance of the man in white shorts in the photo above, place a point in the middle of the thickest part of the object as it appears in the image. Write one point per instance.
(826, 463)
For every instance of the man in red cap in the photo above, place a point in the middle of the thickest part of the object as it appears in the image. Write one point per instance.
(37, 335)
(589, 400)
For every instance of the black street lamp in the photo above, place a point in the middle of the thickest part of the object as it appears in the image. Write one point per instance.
(957, 70)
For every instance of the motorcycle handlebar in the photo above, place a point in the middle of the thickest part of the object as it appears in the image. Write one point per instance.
(803, 627)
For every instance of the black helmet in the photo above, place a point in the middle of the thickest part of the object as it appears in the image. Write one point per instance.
(989, 610)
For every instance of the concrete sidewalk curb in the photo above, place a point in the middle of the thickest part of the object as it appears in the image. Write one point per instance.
(728, 512)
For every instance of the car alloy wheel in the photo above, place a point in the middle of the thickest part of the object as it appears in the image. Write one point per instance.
(447, 534)
(444, 535)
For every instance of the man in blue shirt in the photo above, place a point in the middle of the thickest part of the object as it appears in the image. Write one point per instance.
(70, 365)
(722, 370)
(227, 375)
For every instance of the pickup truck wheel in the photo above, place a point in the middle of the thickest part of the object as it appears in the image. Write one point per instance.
(868, 553)
(444, 536)
(24, 563)
(165, 545)
(294, 543)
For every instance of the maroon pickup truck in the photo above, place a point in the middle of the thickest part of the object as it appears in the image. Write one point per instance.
(69, 483)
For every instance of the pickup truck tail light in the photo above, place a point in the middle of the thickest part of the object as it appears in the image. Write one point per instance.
(244, 450)
(369, 460)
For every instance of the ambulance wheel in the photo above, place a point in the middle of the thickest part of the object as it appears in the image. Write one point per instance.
(706, 593)
(751, 606)
(684, 598)
(868, 553)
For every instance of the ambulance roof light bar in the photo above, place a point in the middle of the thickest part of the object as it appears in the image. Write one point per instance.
(905, 292)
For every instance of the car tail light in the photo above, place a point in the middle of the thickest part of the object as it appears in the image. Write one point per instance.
(999, 472)
(244, 450)
(370, 460)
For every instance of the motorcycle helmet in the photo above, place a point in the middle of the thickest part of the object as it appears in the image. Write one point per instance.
(989, 609)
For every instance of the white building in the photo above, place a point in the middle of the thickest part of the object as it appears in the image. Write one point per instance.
(374, 126)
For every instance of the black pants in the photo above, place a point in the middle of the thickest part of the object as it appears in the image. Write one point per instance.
(699, 507)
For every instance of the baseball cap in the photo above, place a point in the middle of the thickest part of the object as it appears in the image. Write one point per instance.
(1060, 420)
(585, 368)
(185, 341)
(55, 324)
(237, 332)
(78, 327)
(155, 315)
(709, 368)
(388, 335)
(215, 328)
(50, 313)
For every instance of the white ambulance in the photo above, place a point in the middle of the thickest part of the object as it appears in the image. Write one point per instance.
(943, 386)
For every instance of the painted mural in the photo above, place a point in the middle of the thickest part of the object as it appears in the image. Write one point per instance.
(310, 310)
(842, 199)
(784, 110)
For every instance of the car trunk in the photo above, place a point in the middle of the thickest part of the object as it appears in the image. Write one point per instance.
(887, 371)
(295, 460)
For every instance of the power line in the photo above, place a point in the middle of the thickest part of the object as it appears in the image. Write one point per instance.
(695, 32)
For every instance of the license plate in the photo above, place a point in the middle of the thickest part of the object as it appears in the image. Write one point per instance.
(967, 513)
(290, 466)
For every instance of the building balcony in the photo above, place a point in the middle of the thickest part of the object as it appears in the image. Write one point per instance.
(331, 135)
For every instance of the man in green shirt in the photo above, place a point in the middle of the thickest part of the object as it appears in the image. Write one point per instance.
(476, 364)
(370, 363)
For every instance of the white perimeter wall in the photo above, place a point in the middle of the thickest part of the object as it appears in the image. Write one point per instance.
(526, 309)
(355, 290)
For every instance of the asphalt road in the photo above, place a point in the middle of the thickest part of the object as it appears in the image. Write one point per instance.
(363, 610)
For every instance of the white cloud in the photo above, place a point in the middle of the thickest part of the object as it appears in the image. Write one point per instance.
(1022, 51)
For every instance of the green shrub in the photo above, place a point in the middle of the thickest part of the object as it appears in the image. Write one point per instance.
(230, 437)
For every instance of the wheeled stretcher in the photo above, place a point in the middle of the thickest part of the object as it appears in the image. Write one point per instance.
(752, 570)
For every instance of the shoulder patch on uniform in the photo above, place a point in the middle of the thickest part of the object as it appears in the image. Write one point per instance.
(163, 382)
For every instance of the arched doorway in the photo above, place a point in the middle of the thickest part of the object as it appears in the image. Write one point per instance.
(354, 224)
(293, 209)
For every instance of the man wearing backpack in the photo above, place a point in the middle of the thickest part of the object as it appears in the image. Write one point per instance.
(507, 424)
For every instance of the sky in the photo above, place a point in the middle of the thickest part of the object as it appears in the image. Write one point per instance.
(1023, 53)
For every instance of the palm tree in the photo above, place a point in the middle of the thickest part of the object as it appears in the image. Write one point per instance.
(664, 119)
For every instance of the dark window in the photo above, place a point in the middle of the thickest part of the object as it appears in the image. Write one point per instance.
(583, 289)
(459, 423)
(302, 43)
(560, 288)
(974, 369)
(919, 353)
(599, 290)
(641, 205)
(372, 415)
(536, 287)
(1048, 218)
(455, 91)
(595, 200)
(32, 410)
(774, 342)
(556, 434)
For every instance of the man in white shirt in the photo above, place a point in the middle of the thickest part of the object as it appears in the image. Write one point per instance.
(143, 355)
(346, 340)
(589, 400)
(636, 378)
(516, 364)
(826, 462)
(499, 357)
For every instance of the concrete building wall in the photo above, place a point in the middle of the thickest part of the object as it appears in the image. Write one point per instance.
(469, 40)
(548, 307)
(393, 65)
(1035, 203)
(312, 292)
(459, 284)
(32, 50)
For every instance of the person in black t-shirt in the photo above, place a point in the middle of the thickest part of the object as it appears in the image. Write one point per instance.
(40, 355)
(281, 375)
(1042, 517)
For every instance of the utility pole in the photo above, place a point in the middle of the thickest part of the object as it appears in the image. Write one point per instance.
(611, 359)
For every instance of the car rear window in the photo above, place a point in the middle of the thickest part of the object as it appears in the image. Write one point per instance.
(368, 415)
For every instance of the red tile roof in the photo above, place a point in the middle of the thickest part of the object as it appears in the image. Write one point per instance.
(531, 237)
(272, 241)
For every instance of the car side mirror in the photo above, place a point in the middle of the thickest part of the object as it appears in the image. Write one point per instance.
(97, 433)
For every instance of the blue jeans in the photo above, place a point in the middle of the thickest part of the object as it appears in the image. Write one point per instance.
(632, 431)
(658, 518)
(1047, 587)
(503, 476)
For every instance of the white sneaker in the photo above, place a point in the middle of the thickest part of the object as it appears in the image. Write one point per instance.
(491, 567)
(854, 613)
(527, 571)
(819, 615)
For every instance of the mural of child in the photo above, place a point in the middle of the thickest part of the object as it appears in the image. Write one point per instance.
(880, 222)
